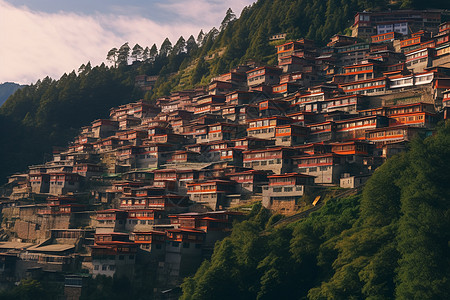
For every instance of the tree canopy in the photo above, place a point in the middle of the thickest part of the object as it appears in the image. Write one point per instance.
(390, 242)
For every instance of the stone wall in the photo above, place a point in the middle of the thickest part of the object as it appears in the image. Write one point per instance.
(285, 207)
(443, 61)
(420, 94)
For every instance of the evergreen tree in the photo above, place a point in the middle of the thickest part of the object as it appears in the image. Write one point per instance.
(191, 45)
(179, 47)
(123, 54)
(153, 52)
(212, 34)
(137, 52)
(166, 48)
(200, 38)
(146, 54)
(423, 232)
(229, 17)
(112, 56)
(200, 70)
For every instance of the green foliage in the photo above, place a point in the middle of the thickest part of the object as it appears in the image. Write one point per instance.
(50, 112)
(399, 246)
(123, 54)
(390, 242)
(140, 287)
(28, 289)
(279, 264)
(153, 52)
(423, 233)
(112, 56)
(137, 52)
(229, 18)
(191, 45)
(166, 48)
(200, 71)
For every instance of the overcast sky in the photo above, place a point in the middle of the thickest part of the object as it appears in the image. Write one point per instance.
(41, 38)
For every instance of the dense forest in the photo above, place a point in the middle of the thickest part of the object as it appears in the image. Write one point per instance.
(390, 242)
(50, 112)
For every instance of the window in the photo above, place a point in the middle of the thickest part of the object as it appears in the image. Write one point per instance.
(185, 245)
(121, 257)
(104, 267)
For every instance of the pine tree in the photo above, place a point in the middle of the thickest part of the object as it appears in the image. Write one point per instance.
(179, 47)
(423, 231)
(229, 18)
(146, 54)
(153, 52)
(137, 52)
(200, 70)
(191, 45)
(200, 38)
(112, 56)
(166, 48)
(123, 54)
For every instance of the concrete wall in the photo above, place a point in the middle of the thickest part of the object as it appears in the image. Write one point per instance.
(323, 174)
(278, 166)
(353, 181)
(120, 267)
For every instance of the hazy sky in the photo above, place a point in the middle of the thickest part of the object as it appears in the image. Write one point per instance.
(41, 38)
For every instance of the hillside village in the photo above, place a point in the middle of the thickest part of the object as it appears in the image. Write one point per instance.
(157, 184)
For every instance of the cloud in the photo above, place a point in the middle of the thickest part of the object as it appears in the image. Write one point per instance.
(210, 12)
(37, 44)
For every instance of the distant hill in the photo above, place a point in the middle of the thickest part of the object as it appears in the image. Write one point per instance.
(7, 89)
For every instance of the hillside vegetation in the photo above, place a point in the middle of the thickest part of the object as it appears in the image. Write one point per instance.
(51, 112)
(390, 242)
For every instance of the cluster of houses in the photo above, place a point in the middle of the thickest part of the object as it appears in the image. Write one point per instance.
(153, 184)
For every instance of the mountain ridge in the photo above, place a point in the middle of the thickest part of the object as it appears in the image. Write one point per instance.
(7, 89)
